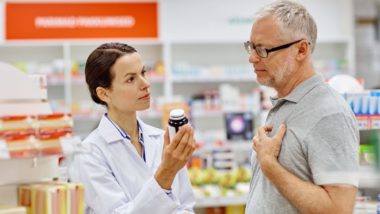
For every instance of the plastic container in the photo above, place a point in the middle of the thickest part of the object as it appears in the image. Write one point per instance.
(177, 119)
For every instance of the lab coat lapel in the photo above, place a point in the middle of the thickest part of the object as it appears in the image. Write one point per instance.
(108, 131)
(153, 141)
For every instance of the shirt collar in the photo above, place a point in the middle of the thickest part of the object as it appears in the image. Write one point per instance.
(300, 91)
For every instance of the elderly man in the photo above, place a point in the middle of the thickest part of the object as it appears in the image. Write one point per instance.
(305, 158)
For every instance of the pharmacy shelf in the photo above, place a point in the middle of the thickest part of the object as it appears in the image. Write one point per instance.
(236, 146)
(201, 80)
(365, 208)
(216, 113)
(369, 177)
(241, 145)
(220, 201)
(28, 170)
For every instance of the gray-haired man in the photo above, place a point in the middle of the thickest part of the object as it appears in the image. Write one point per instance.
(305, 158)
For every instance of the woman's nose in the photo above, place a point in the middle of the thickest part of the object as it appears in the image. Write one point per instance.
(145, 83)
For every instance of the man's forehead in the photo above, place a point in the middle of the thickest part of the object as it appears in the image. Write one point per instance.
(265, 30)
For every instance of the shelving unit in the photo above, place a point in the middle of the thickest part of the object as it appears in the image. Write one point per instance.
(220, 201)
(29, 99)
(211, 42)
(369, 177)
(189, 39)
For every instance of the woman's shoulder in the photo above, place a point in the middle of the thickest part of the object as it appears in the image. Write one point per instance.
(93, 137)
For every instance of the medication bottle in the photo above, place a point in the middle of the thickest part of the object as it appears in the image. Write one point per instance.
(177, 119)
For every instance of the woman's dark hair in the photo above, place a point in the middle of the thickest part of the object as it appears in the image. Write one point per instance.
(98, 66)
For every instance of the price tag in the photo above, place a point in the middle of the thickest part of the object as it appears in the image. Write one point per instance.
(4, 154)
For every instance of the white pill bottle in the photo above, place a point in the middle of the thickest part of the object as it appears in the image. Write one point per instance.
(177, 119)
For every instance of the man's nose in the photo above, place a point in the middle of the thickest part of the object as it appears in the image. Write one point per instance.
(253, 57)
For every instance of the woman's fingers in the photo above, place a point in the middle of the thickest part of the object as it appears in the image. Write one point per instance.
(177, 138)
(191, 144)
(184, 139)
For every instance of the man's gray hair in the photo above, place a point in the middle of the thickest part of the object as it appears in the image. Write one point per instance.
(293, 18)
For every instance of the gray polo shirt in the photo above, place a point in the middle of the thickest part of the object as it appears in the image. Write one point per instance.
(320, 145)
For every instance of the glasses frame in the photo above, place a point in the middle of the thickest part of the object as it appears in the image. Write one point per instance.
(249, 47)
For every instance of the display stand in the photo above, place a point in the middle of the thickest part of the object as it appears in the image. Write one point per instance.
(22, 95)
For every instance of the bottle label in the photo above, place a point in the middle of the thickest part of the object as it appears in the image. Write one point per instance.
(172, 132)
(174, 126)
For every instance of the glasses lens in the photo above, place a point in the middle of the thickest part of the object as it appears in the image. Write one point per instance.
(248, 47)
(262, 52)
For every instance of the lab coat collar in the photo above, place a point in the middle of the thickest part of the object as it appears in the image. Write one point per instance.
(108, 131)
(151, 135)
(111, 134)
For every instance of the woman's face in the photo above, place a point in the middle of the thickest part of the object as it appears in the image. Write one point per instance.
(129, 91)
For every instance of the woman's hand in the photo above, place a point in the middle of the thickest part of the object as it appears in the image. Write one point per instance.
(175, 155)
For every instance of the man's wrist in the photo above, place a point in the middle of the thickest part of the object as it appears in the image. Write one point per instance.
(268, 163)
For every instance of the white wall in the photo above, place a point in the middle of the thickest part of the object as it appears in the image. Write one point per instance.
(226, 20)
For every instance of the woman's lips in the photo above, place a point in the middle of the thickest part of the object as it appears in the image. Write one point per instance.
(145, 97)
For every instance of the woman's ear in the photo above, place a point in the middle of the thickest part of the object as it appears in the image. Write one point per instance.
(102, 93)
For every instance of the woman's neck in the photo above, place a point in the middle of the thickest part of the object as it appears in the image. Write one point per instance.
(127, 122)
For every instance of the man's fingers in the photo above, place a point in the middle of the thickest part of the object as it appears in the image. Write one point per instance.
(255, 139)
(262, 133)
(268, 128)
(254, 145)
(281, 132)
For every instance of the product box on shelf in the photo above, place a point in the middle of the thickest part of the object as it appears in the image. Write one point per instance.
(366, 107)
(24, 136)
(11, 209)
(52, 197)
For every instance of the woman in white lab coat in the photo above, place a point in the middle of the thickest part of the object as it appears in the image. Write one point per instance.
(132, 166)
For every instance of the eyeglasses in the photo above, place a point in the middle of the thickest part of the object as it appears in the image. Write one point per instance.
(263, 52)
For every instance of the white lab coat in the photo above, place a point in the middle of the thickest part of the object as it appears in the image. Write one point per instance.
(117, 180)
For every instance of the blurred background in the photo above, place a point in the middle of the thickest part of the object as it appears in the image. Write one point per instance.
(196, 60)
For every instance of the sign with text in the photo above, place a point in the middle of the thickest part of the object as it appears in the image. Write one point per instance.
(51, 20)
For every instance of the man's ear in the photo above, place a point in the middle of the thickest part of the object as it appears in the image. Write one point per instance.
(102, 93)
(304, 50)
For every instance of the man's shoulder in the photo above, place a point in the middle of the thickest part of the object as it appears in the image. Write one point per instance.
(322, 103)
(324, 100)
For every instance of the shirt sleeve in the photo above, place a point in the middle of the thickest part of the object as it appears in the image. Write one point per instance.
(103, 193)
(182, 194)
(185, 193)
(332, 150)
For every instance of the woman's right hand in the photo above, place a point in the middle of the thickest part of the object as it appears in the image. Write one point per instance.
(175, 155)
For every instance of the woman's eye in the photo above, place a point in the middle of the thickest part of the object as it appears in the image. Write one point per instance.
(130, 79)
(143, 72)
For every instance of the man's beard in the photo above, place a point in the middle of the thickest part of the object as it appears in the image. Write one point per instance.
(281, 75)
